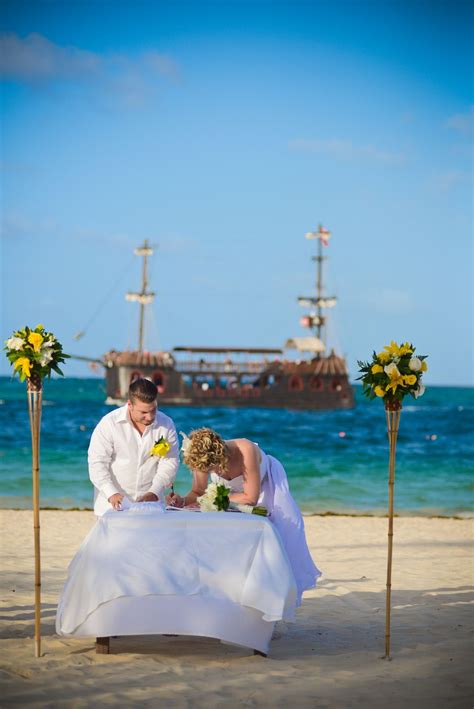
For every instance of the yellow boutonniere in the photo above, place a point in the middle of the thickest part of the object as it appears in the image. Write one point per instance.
(160, 448)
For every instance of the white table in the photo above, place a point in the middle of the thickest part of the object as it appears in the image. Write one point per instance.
(146, 571)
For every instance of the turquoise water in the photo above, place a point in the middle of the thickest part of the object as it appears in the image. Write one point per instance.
(328, 471)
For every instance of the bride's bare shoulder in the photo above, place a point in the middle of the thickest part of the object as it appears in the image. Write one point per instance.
(240, 441)
(244, 445)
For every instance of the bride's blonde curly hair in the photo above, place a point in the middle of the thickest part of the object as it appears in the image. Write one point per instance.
(206, 452)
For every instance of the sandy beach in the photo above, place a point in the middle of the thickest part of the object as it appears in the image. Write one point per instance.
(330, 657)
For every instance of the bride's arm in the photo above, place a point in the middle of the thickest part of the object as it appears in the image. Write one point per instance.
(251, 472)
(198, 489)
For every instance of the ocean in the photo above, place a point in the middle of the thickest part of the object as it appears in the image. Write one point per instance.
(336, 461)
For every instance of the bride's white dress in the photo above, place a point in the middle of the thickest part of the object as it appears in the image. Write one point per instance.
(285, 514)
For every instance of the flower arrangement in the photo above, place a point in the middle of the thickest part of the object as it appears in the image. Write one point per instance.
(161, 447)
(215, 498)
(393, 373)
(34, 353)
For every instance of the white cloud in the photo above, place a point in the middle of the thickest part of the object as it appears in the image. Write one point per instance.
(161, 64)
(14, 225)
(36, 60)
(462, 123)
(446, 180)
(18, 225)
(346, 150)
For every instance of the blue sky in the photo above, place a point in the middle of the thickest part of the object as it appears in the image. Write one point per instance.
(223, 132)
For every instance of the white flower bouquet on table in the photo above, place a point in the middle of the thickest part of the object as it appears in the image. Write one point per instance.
(215, 498)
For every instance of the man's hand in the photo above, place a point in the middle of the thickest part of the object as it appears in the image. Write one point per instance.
(148, 497)
(116, 501)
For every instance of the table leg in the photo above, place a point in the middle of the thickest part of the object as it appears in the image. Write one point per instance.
(102, 646)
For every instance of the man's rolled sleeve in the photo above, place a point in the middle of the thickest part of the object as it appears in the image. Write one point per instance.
(167, 466)
(99, 456)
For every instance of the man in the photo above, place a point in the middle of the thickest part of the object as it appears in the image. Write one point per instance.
(123, 458)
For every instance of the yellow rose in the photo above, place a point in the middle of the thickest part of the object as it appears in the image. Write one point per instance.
(24, 364)
(384, 357)
(379, 391)
(160, 448)
(36, 340)
(376, 368)
(410, 379)
(424, 366)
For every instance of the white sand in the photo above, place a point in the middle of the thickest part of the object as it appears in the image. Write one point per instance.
(331, 656)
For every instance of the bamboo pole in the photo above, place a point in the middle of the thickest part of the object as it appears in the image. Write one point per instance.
(393, 411)
(35, 394)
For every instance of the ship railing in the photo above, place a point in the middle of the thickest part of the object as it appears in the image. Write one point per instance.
(208, 367)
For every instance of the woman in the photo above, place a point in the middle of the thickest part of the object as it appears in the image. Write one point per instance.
(254, 478)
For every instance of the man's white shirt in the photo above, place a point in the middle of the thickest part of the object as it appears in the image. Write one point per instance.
(120, 460)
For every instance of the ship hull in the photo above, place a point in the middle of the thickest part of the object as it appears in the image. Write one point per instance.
(274, 389)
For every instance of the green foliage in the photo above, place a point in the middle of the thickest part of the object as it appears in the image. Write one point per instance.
(222, 498)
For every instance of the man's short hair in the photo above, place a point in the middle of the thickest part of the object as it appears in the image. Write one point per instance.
(144, 390)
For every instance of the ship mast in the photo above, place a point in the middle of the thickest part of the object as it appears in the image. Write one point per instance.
(319, 288)
(316, 319)
(144, 297)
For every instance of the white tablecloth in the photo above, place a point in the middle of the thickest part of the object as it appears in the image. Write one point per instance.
(231, 557)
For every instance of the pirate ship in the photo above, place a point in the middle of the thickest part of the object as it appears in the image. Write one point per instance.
(238, 376)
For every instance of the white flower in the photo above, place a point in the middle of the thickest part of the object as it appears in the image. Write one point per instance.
(415, 364)
(391, 370)
(419, 391)
(49, 343)
(15, 343)
(186, 443)
(206, 502)
(217, 480)
(46, 357)
(211, 489)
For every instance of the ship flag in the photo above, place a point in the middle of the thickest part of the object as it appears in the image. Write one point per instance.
(322, 234)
